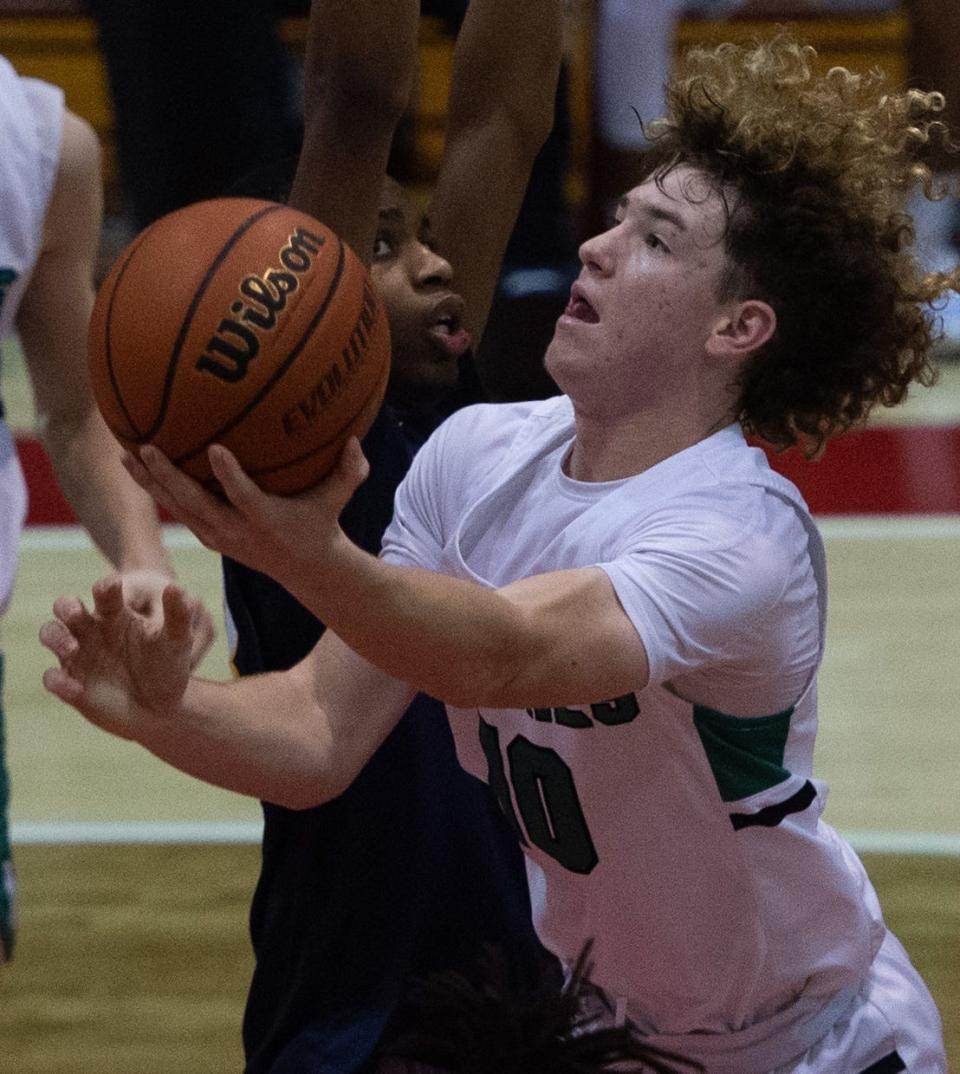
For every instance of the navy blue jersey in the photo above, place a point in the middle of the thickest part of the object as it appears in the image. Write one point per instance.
(412, 870)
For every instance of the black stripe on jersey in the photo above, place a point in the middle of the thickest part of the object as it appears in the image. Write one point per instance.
(771, 816)
(889, 1064)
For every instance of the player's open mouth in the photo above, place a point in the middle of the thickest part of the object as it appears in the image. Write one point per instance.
(579, 309)
(447, 332)
(455, 341)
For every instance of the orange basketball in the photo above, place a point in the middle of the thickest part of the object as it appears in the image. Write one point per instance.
(244, 323)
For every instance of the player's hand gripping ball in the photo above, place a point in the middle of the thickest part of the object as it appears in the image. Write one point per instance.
(245, 323)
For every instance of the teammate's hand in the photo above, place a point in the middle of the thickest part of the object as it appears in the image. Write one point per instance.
(118, 668)
(279, 535)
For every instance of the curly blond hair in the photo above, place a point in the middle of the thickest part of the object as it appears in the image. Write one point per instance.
(814, 170)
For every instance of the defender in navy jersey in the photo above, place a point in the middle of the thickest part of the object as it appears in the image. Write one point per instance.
(412, 870)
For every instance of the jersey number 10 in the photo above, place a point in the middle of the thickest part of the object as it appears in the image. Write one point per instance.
(546, 798)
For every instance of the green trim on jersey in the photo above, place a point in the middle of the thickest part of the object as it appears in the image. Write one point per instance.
(745, 752)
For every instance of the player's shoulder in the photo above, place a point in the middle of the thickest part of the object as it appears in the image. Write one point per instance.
(728, 496)
(31, 125)
(26, 98)
(9, 77)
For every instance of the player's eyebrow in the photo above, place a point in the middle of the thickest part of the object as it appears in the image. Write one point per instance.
(391, 215)
(654, 211)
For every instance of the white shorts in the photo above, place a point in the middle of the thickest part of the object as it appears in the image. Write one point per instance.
(893, 1025)
(887, 1026)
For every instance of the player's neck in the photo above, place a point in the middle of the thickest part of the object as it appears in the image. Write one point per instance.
(606, 450)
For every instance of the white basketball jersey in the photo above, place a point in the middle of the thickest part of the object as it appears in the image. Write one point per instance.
(685, 840)
(31, 130)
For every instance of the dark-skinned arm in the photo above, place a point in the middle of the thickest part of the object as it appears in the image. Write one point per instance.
(500, 112)
(360, 63)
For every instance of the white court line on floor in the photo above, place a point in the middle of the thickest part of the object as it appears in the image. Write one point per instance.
(134, 831)
(888, 527)
(833, 527)
(936, 844)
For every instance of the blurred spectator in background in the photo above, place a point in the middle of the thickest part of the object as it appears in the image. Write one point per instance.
(934, 48)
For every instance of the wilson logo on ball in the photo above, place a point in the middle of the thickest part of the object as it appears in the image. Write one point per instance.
(246, 323)
(265, 296)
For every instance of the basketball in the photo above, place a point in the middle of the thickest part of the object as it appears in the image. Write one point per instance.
(245, 323)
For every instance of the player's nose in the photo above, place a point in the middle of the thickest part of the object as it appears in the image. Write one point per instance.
(431, 268)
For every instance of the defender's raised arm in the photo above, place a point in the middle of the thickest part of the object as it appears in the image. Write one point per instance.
(361, 58)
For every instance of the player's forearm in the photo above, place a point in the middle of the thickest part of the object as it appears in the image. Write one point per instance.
(361, 52)
(261, 736)
(507, 60)
(450, 638)
(119, 516)
(361, 55)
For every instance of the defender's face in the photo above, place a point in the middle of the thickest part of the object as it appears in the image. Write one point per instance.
(645, 302)
(425, 314)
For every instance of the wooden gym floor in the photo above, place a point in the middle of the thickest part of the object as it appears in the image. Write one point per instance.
(135, 880)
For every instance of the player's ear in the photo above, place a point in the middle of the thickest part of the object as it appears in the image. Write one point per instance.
(741, 330)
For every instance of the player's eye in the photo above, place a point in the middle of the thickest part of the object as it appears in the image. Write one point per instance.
(656, 243)
(383, 247)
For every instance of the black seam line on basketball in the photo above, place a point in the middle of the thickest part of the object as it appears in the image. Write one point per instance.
(771, 816)
(283, 367)
(106, 328)
(889, 1064)
(379, 387)
(188, 318)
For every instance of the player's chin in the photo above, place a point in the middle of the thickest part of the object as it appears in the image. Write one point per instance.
(421, 386)
(437, 368)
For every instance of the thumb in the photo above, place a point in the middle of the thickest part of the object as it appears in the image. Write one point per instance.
(349, 472)
(352, 468)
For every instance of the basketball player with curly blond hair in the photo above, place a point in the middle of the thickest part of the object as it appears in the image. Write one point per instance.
(621, 605)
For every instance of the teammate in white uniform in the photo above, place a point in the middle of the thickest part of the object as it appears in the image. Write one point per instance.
(620, 603)
(50, 215)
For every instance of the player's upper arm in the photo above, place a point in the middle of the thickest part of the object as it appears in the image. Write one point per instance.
(361, 706)
(54, 313)
(697, 593)
(571, 642)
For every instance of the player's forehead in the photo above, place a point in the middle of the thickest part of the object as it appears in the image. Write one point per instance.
(684, 196)
(398, 209)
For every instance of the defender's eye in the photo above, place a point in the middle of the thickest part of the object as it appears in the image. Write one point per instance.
(382, 247)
